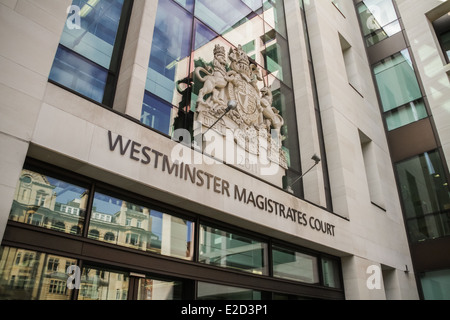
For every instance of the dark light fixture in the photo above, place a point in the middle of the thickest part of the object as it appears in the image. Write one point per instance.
(316, 160)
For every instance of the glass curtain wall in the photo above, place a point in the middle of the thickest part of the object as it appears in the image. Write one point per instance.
(185, 36)
(436, 285)
(379, 20)
(422, 179)
(425, 196)
(399, 90)
(88, 56)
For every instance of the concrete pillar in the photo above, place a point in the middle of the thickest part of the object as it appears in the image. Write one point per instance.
(313, 182)
(29, 33)
(136, 55)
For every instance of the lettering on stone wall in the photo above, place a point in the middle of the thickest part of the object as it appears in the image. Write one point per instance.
(188, 173)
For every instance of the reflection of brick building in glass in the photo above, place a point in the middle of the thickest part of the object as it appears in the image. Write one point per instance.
(38, 202)
(51, 203)
(123, 223)
(30, 275)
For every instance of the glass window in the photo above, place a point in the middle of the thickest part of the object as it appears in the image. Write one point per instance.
(209, 291)
(31, 275)
(187, 4)
(202, 35)
(293, 265)
(47, 202)
(255, 5)
(158, 114)
(79, 74)
(274, 15)
(127, 224)
(283, 102)
(86, 54)
(168, 67)
(436, 285)
(425, 195)
(399, 90)
(96, 35)
(331, 273)
(408, 113)
(276, 56)
(221, 18)
(195, 54)
(157, 289)
(249, 29)
(229, 250)
(379, 20)
(103, 284)
(171, 47)
(397, 81)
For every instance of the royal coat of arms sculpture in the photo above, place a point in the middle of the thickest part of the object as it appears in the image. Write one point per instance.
(255, 123)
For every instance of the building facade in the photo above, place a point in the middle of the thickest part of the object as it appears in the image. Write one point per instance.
(408, 48)
(241, 149)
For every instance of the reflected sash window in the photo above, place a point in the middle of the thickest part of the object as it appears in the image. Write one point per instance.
(32, 275)
(47, 202)
(127, 224)
(103, 284)
(87, 59)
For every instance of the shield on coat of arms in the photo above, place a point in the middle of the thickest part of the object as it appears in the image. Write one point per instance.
(247, 97)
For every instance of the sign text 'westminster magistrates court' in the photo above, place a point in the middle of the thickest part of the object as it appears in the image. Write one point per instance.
(190, 174)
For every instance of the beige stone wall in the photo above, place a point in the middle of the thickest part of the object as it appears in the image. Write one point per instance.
(351, 118)
(29, 35)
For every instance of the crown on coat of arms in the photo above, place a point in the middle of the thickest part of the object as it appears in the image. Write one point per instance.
(218, 49)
